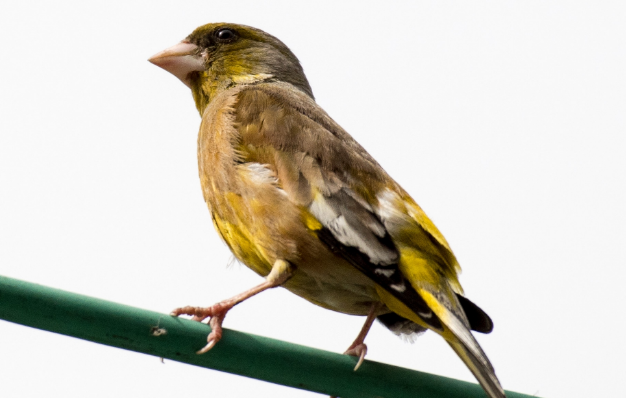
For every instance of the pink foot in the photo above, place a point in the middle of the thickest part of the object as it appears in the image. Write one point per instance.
(359, 351)
(216, 312)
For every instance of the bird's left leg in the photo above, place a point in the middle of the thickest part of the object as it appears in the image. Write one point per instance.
(281, 272)
(358, 347)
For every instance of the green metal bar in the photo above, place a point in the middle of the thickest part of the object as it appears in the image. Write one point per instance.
(240, 353)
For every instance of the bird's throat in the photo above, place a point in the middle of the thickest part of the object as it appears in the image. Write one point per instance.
(204, 88)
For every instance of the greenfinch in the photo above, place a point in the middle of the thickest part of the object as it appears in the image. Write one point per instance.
(301, 203)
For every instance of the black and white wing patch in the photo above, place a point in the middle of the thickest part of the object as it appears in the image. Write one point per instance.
(352, 231)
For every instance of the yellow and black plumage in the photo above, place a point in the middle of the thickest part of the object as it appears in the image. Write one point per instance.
(301, 203)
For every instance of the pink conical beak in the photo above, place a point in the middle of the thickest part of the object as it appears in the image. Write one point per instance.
(180, 60)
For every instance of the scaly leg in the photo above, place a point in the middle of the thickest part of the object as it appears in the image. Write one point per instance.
(281, 272)
(358, 347)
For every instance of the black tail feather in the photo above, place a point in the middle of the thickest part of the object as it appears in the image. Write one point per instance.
(478, 319)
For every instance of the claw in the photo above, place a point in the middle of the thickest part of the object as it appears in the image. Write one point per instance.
(216, 332)
(359, 350)
(361, 359)
(211, 343)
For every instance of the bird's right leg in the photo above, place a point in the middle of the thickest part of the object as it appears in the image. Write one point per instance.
(281, 272)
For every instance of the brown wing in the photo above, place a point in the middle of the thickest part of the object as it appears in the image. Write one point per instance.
(323, 169)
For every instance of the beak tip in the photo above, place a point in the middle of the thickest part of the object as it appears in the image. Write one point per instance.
(155, 58)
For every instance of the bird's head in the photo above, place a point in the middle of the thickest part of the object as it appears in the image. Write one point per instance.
(217, 56)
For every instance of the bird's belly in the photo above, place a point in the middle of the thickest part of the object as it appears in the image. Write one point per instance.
(353, 299)
(332, 283)
(320, 276)
(262, 225)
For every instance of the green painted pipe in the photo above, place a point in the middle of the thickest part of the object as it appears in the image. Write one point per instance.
(244, 354)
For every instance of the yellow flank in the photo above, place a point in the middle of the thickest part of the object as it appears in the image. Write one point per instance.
(243, 244)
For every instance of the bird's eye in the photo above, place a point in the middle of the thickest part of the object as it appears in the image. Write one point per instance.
(225, 35)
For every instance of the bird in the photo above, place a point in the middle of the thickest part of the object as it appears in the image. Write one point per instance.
(300, 202)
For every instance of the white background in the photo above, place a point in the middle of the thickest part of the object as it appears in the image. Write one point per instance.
(504, 120)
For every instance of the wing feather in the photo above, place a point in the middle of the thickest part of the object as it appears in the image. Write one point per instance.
(324, 170)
